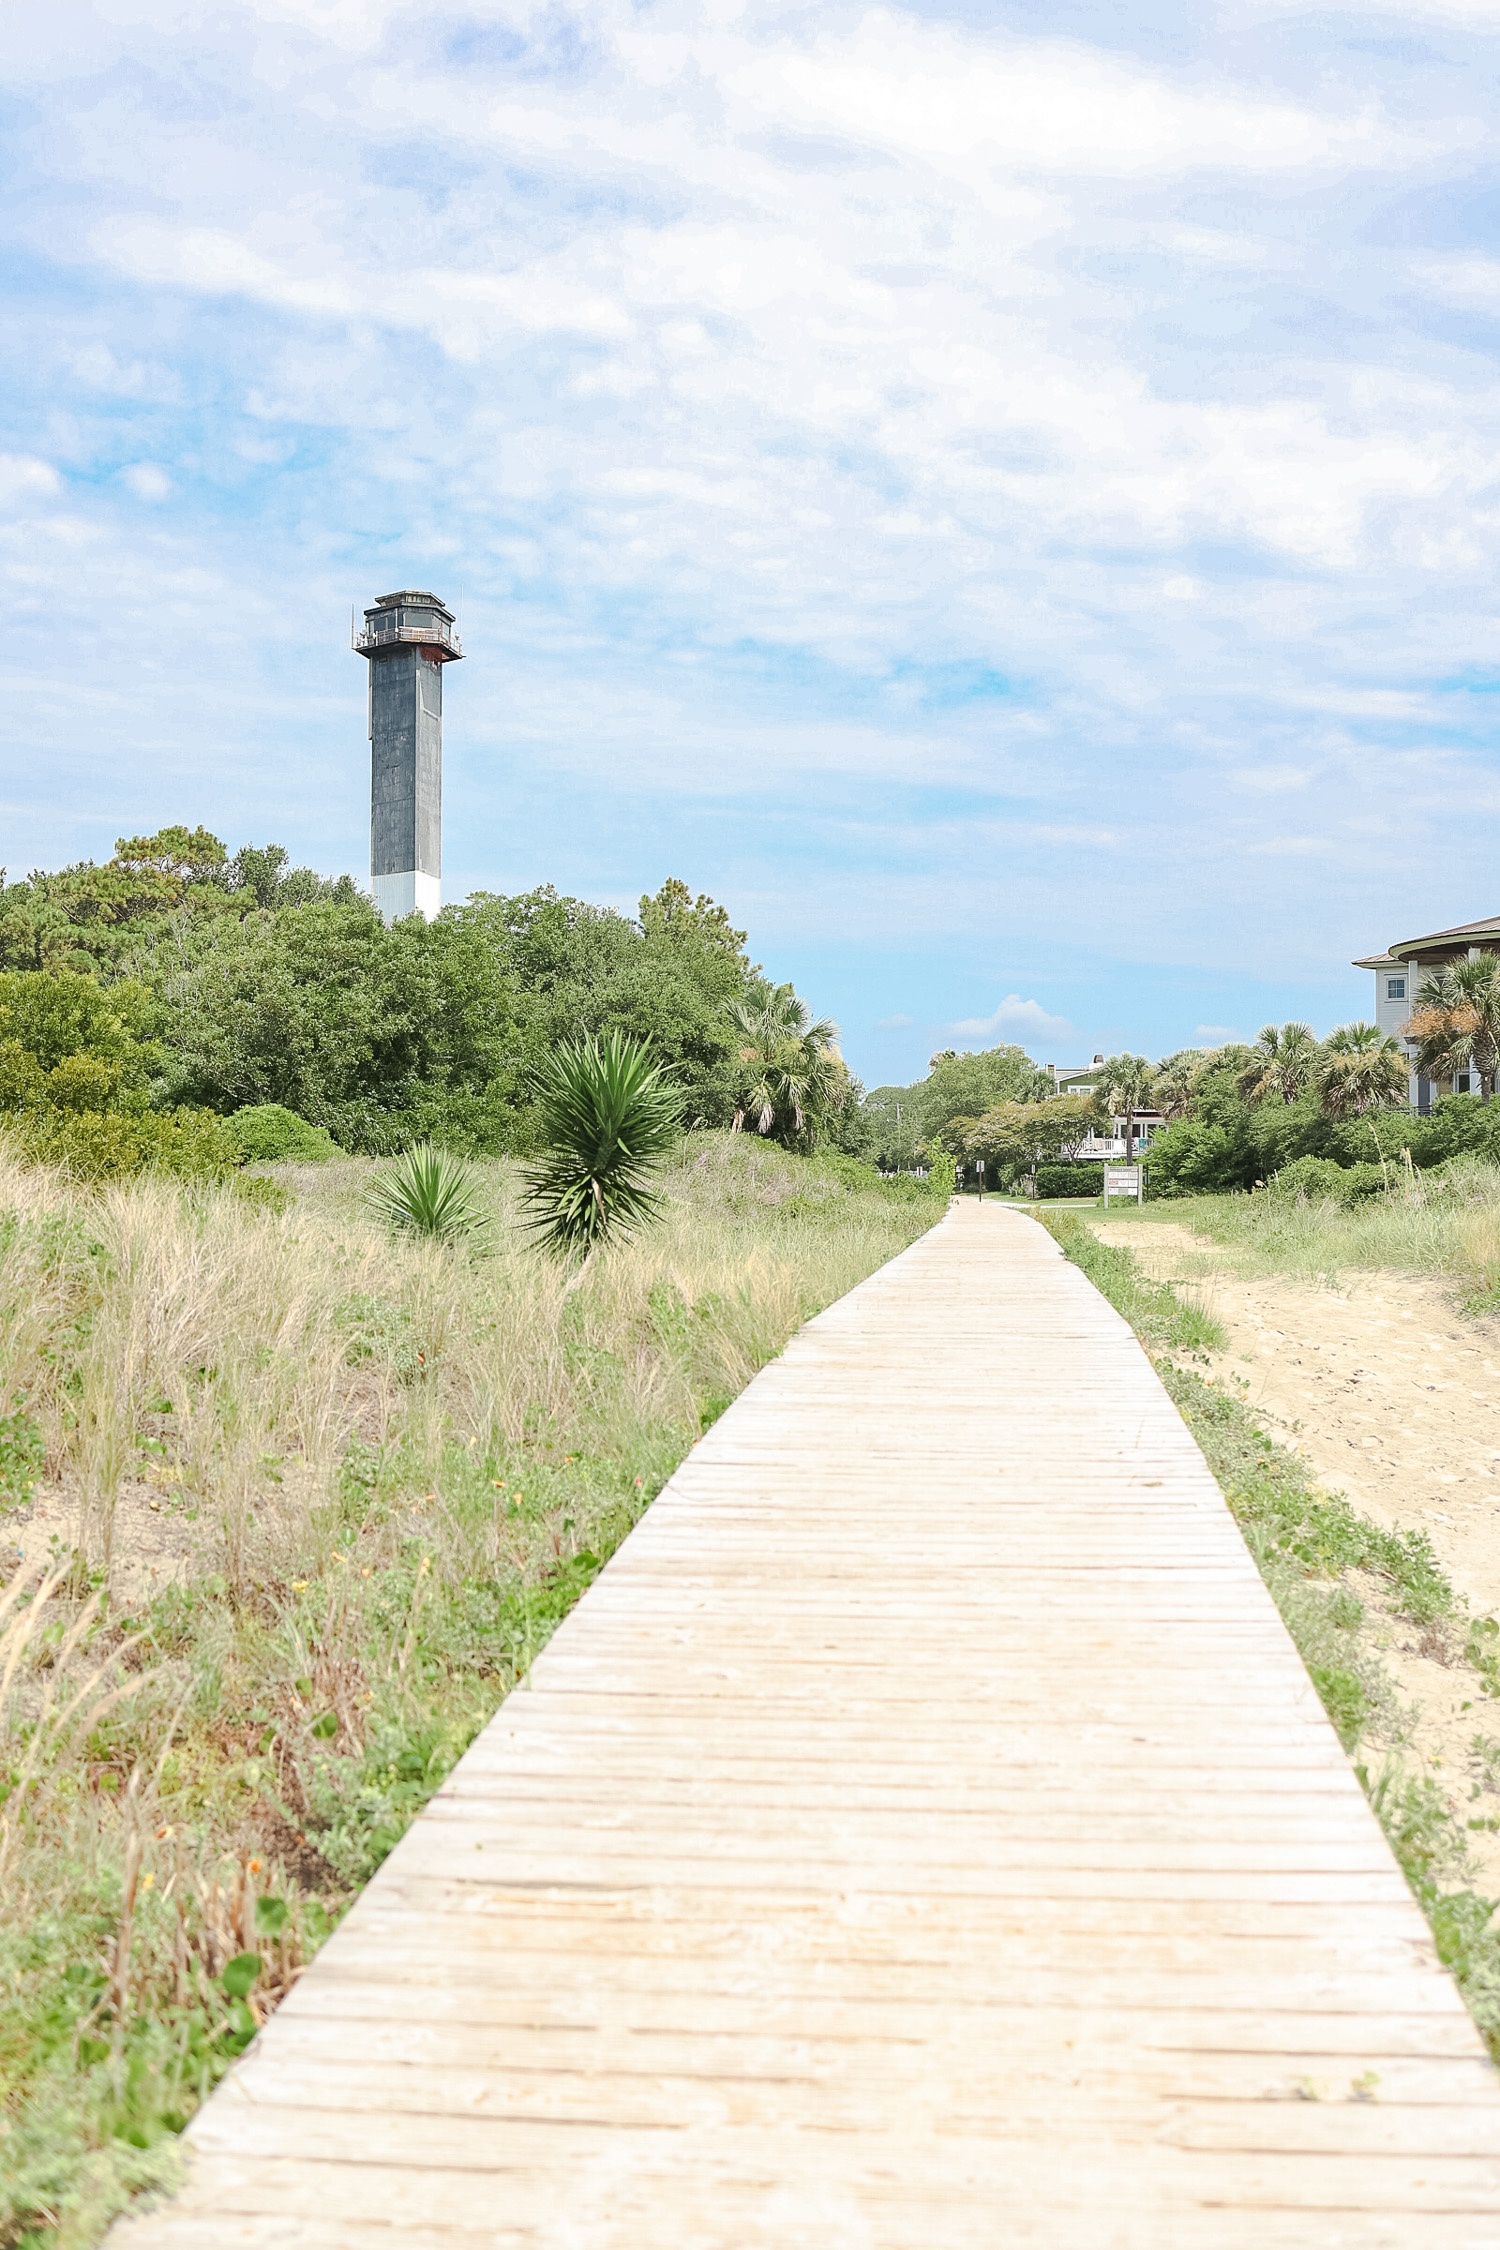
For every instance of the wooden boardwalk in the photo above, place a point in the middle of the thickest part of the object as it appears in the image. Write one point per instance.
(923, 1836)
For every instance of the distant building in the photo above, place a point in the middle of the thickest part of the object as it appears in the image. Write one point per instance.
(1101, 1144)
(407, 638)
(1400, 970)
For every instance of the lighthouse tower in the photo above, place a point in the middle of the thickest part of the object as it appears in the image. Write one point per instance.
(407, 638)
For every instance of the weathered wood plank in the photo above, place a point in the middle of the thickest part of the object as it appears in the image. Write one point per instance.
(923, 1836)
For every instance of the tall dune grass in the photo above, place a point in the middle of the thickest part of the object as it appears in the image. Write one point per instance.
(385, 1469)
(1447, 1226)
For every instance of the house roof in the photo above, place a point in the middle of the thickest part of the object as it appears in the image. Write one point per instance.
(1376, 961)
(1488, 928)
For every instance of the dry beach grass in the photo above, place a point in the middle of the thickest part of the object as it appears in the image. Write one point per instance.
(310, 1500)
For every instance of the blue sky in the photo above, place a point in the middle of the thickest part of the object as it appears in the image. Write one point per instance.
(1007, 498)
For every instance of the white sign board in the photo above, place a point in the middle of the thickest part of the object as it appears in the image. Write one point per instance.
(1121, 1180)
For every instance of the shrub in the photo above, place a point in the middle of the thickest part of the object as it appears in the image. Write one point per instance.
(430, 1192)
(1054, 1180)
(905, 1187)
(858, 1176)
(850, 1171)
(51, 1017)
(942, 1173)
(1317, 1179)
(267, 1133)
(95, 1146)
(1193, 1157)
(608, 1117)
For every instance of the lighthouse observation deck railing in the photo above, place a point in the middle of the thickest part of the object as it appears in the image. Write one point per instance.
(393, 630)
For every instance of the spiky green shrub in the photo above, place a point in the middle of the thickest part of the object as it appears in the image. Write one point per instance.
(608, 1116)
(427, 1191)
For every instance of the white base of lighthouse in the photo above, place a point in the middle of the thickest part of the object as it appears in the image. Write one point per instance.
(396, 896)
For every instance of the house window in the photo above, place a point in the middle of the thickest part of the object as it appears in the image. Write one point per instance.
(1395, 988)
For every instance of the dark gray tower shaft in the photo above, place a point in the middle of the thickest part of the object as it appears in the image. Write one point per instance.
(407, 638)
(406, 764)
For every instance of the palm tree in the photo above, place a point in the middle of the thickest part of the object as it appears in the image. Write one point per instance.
(789, 1064)
(1284, 1063)
(1124, 1084)
(1177, 1079)
(1456, 1021)
(1360, 1068)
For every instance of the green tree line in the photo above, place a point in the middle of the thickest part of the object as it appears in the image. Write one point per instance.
(177, 981)
(1231, 1116)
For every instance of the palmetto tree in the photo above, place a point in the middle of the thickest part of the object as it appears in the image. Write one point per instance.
(1360, 1068)
(1456, 1021)
(790, 1068)
(1124, 1085)
(1177, 1079)
(1284, 1063)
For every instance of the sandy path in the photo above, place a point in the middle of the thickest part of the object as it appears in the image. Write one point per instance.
(1394, 1401)
(1390, 1395)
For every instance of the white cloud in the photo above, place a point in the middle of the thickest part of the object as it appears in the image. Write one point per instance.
(959, 101)
(817, 408)
(96, 368)
(1461, 281)
(1014, 1019)
(23, 477)
(895, 1023)
(1271, 780)
(147, 481)
(1216, 1034)
(1472, 15)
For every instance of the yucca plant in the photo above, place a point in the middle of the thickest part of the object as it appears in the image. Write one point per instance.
(608, 1117)
(427, 1191)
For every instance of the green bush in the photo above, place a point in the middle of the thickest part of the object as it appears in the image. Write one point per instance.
(1055, 1180)
(905, 1187)
(850, 1171)
(52, 1017)
(859, 1176)
(266, 1133)
(96, 1146)
(260, 1193)
(1318, 1179)
(1193, 1157)
(942, 1173)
